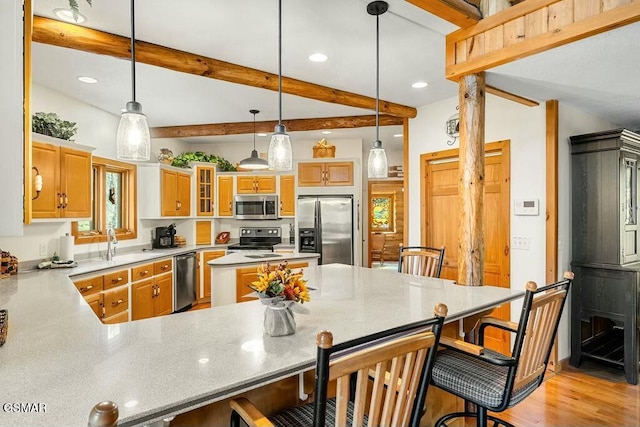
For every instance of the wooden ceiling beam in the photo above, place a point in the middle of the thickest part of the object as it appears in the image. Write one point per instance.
(458, 12)
(511, 96)
(218, 129)
(72, 36)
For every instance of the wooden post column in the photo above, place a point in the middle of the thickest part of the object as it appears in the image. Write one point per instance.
(471, 180)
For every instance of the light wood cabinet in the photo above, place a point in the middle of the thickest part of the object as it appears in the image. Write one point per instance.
(325, 174)
(66, 176)
(206, 257)
(262, 184)
(225, 196)
(205, 190)
(152, 295)
(245, 276)
(175, 194)
(287, 195)
(203, 232)
(107, 295)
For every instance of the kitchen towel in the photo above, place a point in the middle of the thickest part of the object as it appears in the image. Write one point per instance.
(66, 248)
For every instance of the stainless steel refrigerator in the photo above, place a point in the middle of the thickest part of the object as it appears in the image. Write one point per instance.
(325, 226)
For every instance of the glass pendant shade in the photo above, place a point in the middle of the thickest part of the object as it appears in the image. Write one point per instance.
(280, 153)
(133, 140)
(377, 164)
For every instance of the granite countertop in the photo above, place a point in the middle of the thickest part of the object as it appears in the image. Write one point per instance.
(59, 354)
(239, 258)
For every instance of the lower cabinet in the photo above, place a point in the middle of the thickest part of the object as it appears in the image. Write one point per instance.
(152, 294)
(245, 276)
(107, 295)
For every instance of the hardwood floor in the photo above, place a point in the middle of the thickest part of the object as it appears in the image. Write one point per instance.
(575, 398)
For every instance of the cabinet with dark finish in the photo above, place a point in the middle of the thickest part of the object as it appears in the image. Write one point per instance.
(605, 257)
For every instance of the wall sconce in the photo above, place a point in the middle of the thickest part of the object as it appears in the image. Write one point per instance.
(37, 182)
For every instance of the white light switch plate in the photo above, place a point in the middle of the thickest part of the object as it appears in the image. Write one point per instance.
(521, 243)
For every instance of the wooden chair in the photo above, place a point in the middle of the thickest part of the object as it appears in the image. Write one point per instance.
(421, 260)
(406, 353)
(493, 381)
(378, 241)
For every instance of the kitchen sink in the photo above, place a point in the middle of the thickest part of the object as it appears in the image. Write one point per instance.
(261, 256)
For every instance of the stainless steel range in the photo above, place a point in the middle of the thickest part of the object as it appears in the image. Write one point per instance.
(257, 239)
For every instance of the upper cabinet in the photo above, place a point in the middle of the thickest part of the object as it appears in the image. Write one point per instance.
(287, 195)
(225, 195)
(256, 184)
(205, 190)
(165, 191)
(66, 177)
(321, 174)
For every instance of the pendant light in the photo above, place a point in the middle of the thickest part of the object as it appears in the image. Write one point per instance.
(133, 141)
(377, 164)
(280, 153)
(254, 162)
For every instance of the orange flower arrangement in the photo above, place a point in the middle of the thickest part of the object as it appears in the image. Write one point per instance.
(281, 284)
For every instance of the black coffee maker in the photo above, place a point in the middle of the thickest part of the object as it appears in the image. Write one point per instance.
(165, 237)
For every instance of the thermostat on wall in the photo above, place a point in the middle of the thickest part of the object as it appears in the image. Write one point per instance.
(526, 207)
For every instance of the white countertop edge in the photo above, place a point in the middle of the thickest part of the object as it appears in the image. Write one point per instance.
(240, 259)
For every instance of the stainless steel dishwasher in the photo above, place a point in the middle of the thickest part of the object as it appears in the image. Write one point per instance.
(184, 284)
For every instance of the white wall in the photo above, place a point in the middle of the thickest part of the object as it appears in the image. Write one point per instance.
(525, 127)
(11, 120)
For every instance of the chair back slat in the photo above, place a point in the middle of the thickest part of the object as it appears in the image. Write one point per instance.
(397, 362)
(543, 318)
(421, 261)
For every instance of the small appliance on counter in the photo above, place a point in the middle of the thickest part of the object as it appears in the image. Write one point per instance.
(165, 237)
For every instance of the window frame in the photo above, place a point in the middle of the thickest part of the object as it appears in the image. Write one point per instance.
(99, 168)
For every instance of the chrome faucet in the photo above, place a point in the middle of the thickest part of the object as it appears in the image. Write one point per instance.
(111, 240)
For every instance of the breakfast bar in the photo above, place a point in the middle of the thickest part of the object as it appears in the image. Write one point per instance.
(58, 353)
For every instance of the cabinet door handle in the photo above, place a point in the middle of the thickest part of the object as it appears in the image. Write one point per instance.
(144, 273)
(164, 267)
(178, 205)
(117, 303)
(230, 207)
(119, 279)
(88, 288)
(158, 289)
(60, 201)
(154, 291)
(280, 206)
(66, 200)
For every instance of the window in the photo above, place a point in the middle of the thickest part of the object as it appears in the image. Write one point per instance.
(382, 212)
(114, 203)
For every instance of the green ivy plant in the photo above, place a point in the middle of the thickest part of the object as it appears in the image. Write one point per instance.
(50, 124)
(75, 9)
(182, 161)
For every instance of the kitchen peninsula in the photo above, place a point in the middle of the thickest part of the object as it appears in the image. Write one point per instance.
(240, 268)
(59, 354)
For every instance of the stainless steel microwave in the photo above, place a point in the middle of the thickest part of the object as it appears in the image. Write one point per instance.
(256, 207)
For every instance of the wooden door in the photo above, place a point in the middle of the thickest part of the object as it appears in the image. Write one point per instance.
(339, 173)
(183, 206)
(265, 184)
(208, 256)
(205, 191)
(75, 183)
(440, 199)
(142, 299)
(46, 158)
(311, 174)
(169, 195)
(287, 195)
(225, 196)
(246, 184)
(380, 193)
(163, 303)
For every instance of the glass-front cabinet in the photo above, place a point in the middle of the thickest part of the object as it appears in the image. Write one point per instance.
(205, 189)
(629, 197)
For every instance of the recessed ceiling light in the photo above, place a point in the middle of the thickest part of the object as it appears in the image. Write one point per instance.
(326, 132)
(318, 57)
(87, 79)
(420, 85)
(203, 361)
(397, 135)
(261, 134)
(67, 16)
(131, 404)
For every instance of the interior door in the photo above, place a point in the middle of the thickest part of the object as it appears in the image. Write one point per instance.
(440, 194)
